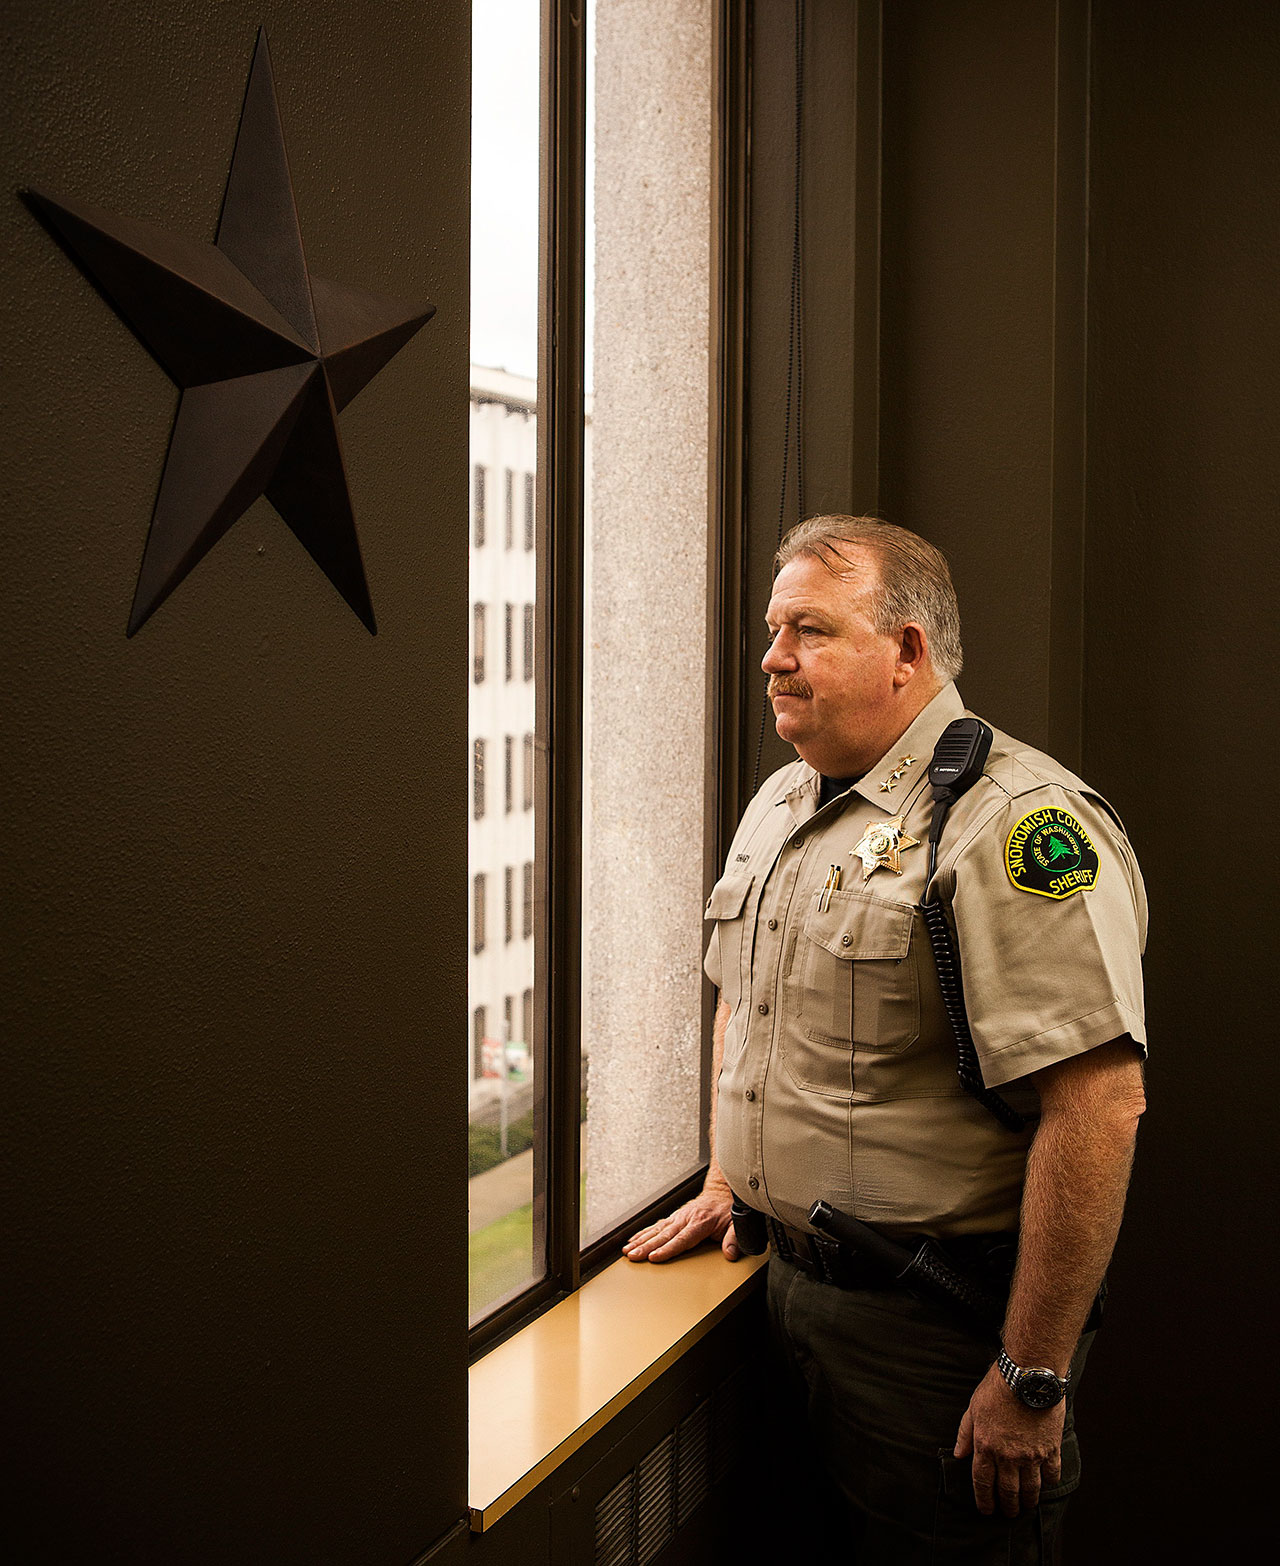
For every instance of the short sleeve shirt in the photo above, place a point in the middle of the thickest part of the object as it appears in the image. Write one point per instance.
(839, 1074)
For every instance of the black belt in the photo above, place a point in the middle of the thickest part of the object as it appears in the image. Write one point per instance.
(991, 1255)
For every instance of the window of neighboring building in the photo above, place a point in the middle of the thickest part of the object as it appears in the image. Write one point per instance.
(509, 771)
(477, 780)
(528, 641)
(477, 643)
(526, 1015)
(528, 511)
(527, 925)
(527, 800)
(508, 916)
(477, 505)
(509, 531)
(479, 1027)
(478, 920)
(509, 622)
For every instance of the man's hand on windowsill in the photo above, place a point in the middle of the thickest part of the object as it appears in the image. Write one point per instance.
(706, 1217)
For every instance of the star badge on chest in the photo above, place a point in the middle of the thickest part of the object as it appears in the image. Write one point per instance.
(882, 845)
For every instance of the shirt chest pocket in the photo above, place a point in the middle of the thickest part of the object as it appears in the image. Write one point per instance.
(858, 987)
(726, 906)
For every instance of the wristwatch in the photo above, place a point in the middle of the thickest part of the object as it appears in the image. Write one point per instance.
(1036, 1386)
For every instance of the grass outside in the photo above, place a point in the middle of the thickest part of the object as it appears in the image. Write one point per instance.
(500, 1256)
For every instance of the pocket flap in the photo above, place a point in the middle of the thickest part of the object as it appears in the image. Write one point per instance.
(728, 895)
(857, 926)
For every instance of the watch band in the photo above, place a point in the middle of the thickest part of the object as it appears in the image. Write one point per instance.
(1037, 1385)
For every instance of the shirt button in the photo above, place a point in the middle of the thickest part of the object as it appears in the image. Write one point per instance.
(846, 940)
(751, 1095)
(764, 1010)
(773, 924)
(797, 842)
(754, 1183)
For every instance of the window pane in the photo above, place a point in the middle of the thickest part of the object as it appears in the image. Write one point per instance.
(506, 46)
(649, 461)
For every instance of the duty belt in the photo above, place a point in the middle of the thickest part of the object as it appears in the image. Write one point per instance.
(831, 1262)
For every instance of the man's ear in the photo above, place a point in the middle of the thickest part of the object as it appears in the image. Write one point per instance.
(913, 653)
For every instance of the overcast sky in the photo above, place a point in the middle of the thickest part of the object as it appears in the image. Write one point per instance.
(504, 185)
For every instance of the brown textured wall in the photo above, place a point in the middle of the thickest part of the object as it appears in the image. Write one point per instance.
(235, 846)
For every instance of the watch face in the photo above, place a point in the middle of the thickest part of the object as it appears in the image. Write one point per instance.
(1040, 1388)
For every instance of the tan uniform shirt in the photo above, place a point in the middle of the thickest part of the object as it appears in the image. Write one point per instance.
(839, 1075)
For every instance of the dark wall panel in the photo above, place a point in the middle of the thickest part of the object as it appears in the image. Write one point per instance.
(967, 284)
(234, 974)
(1181, 571)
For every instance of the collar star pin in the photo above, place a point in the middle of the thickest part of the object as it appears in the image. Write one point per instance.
(881, 847)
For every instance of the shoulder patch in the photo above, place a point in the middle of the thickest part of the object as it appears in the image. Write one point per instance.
(1051, 854)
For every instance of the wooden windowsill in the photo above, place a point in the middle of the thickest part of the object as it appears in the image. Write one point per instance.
(539, 1396)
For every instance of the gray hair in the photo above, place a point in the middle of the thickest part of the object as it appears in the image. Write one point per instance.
(915, 581)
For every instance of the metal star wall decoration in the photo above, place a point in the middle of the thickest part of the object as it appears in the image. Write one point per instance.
(265, 355)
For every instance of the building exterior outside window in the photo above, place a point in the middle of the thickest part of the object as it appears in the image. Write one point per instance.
(528, 641)
(509, 528)
(509, 913)
(509, 629)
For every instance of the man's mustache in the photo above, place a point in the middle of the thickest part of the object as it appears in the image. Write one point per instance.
(788, 685)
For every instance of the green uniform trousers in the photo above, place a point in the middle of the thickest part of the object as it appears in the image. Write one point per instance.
(885, 1378)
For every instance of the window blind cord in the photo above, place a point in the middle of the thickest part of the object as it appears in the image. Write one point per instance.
(793, 416)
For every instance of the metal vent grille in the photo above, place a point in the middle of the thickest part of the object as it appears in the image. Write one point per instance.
(615, 1525)
(655, 1499)
(693, 1462)
(640, 1516)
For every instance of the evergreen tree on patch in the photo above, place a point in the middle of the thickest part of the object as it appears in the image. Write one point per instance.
(1059, 848)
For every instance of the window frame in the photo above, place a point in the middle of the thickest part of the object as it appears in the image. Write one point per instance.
(559, 628)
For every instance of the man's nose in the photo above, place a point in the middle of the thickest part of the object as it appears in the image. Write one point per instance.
(780, 655)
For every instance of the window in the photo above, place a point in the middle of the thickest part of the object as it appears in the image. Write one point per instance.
(613, 729)
(478, 914)
(528, 511)
(477, 643)
(477, 780)
(479, 1027)
(477, 506)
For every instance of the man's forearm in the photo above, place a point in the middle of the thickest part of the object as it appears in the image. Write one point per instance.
(1073, 1199)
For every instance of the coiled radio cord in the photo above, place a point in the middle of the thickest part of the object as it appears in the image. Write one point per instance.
(949, 981)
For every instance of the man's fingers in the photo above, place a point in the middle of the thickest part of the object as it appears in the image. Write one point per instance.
(1031, 1486)
(964, 1440)
(983, 1484)
(1009, 1489)
(1053, 1468)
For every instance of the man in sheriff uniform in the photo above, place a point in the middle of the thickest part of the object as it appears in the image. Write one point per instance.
(837, 1064)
